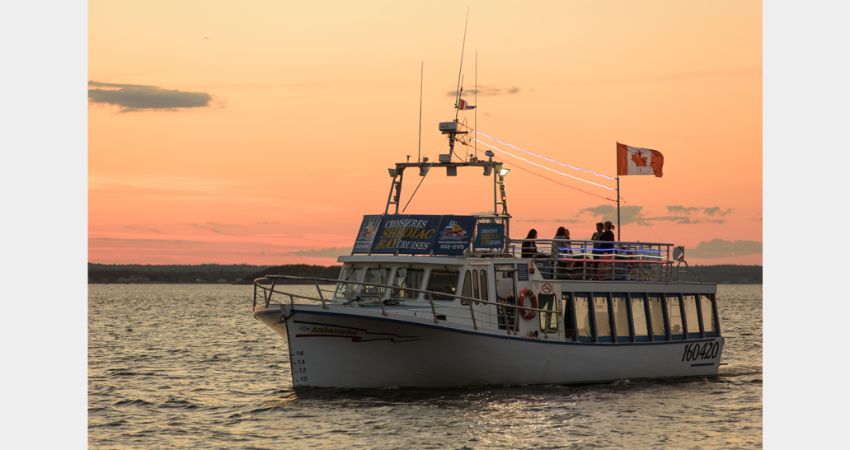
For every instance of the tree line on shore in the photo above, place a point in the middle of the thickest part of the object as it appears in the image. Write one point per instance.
(245, 273)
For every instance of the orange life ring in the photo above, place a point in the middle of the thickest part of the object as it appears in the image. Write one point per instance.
(527, 314)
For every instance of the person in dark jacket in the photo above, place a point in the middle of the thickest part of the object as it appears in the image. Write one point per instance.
(606, 248)
(529, 247)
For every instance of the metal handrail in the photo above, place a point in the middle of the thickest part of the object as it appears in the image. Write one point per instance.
(623, 260)
(429, 294)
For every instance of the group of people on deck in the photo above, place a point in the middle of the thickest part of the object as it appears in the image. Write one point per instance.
(603, 248)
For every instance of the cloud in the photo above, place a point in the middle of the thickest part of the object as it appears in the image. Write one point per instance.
(628, 214)
(221, 228)
(137, 97)
(693, 214)
(487, 91)
(682, 215)
(718, 248)
(331, 252)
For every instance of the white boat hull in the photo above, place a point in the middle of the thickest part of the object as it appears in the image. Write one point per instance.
(363, 349)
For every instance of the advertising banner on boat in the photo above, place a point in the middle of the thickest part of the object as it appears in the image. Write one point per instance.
(490, 235)
(417, 234)
(454, 235)
(406, 234)
(366, 235)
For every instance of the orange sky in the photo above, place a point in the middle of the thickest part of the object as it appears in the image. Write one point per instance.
(310, 102)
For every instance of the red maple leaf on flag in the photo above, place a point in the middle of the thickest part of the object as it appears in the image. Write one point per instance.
(639, 159)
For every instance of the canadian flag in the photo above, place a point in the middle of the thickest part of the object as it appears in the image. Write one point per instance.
(638, 161)
(463, 104)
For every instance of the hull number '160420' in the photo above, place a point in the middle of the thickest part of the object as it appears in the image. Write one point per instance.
(696, 352)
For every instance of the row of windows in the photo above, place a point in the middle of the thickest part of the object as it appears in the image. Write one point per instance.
(404, 279)
(639, 317)
(474, 285)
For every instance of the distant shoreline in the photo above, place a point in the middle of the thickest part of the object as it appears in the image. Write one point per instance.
(246, 273)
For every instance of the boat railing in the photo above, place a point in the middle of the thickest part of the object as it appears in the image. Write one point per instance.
(597, 260)
(442, 304)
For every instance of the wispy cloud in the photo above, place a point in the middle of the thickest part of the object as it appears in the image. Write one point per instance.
(718, 248)
(137, 97)
(628, 214)
(682, 215)
(487, 91)
(331, 252)
(222, 228)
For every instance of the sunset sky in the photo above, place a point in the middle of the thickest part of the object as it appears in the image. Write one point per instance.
(260, 132)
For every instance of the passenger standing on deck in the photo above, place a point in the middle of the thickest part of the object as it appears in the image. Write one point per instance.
(592, 266)
(606, 248)
(561, 249)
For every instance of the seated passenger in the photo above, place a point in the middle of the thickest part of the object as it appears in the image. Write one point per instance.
(529, 247)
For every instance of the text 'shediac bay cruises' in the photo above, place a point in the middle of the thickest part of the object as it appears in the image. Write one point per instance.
(451, 300)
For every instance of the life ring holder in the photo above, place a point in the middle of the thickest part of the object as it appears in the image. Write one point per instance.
(527, 314)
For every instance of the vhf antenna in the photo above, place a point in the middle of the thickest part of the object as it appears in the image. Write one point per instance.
(450, 128)
(460, 69)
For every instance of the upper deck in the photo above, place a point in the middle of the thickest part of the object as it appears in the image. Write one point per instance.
(453, 239)
(557, 259)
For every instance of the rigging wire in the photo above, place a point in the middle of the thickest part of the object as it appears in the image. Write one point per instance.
(545, 167)
(414, 192)
(593, 172)
(560, 183)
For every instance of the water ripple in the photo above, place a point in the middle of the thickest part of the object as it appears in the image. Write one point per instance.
(186, 366)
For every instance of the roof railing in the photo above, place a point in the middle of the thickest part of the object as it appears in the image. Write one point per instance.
(569, 259)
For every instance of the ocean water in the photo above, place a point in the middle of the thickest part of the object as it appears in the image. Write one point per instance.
(187, 366)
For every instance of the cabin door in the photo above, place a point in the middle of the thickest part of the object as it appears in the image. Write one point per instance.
(505, 277)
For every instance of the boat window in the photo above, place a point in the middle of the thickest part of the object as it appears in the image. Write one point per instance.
(582, 308)
(707, 315)
(691, 316)
(347, 290)
(568, 317)
(467, 287)
(375, 275)
(603, 322)
(674, 317)
(405, 280)
(656, 316)
(444, 281)
(639, 320)
(484, 293)
(620, 311)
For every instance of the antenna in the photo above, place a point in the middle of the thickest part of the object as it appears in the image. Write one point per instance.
(421, 78)
(451, 128)
(460, 69)
(476, 105)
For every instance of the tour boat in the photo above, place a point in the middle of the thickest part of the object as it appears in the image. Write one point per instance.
(450, 300)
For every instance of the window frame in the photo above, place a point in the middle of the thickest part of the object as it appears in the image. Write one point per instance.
(651, 321)
(613, 297)
(678, 336)
(590, 322)
(689, 333)
(641, 298)
(597, 338)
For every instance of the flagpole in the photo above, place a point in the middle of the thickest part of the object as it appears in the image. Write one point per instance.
(618, 207)
(421, 78)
